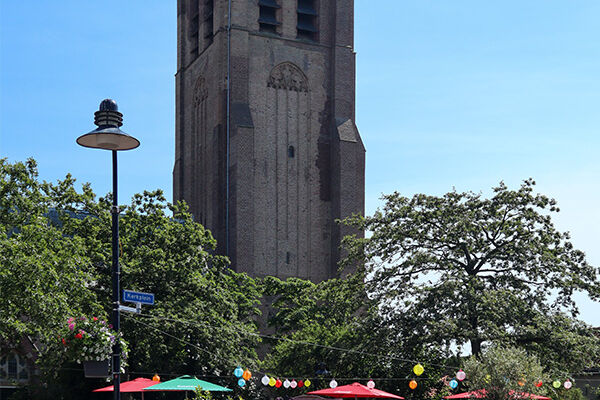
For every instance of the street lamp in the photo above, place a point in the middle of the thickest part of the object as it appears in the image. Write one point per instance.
(108, 136)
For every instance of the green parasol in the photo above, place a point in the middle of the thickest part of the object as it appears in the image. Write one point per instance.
(187, 382)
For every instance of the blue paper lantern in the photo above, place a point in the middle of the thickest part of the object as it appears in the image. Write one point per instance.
(238, 372)
(453, 383)
(242, 382)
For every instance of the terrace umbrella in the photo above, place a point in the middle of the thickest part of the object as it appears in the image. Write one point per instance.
(355, 390)
(132, 386)
(189, 383)
(480, 394)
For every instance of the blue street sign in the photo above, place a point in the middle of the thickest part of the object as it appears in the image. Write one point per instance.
(138, 297)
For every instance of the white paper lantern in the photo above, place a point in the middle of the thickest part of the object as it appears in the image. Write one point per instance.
(333, 384)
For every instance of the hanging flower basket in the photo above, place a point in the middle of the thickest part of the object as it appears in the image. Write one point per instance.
(96, 369)
(90, 341)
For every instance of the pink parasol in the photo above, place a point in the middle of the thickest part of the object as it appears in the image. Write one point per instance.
(355, 390)
(135, 385)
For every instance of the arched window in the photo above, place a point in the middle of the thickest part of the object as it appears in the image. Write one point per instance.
(13, 368)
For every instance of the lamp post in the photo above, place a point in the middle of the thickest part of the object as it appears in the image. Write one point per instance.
(108, 136)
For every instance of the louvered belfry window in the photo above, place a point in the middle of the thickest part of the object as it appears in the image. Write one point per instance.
(267, 19)
(307, 19)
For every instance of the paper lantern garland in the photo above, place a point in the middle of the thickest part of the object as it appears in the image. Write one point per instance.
(241, 382)
(265, 380)
(539, 383)
(371, 384)
(286, 384)
(453, 384)
(333, 384)
(272, 381)
(307, 383)
(412, 384)
(156, 378)
(568, 384)
(556, 384)
(300, 383)
(461, 375)
(293, 384)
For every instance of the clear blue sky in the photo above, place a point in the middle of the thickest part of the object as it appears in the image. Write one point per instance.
(449, 94)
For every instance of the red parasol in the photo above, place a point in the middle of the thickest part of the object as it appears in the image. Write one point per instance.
(135, 385)
(355, 390)
(480, 394)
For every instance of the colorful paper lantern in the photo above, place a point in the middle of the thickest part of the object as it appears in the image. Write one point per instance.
(370, 384)
(412, 384)
(272, 381)
(265, 380)
(307, 383)
(539, 383)
(286, 384)
(461, 375)
(238, 372)
(556, 384)
(156, 378)
(418, 369)
(278, 383)
(568, 384)
(247, 375)
(241, 382)
(453, 384)
(333, 384)
(300, 383)
(293, 384)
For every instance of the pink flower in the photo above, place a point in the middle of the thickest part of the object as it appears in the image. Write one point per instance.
(70, 320)
(71, 326)
(95, 318)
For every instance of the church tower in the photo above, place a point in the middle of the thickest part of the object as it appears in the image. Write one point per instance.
(267, 153)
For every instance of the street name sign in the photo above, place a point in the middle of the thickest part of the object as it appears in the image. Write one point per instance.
(138, 297)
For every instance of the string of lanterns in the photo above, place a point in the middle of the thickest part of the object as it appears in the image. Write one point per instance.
(418, 370)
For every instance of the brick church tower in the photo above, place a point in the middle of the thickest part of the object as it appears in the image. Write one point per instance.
(267, 153)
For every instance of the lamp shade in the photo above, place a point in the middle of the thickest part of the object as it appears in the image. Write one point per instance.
(108, 136)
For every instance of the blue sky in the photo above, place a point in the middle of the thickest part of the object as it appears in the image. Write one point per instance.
(450, 94)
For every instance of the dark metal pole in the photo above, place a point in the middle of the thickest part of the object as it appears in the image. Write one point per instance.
(116, 358)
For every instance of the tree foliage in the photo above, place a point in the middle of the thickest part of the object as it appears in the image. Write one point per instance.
(505, 373)
(462, 268)
(55, 263)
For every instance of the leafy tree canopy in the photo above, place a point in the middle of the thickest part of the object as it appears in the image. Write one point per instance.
(55, 263)
(462, 268)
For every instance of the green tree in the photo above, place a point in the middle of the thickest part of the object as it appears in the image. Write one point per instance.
(332, 330)
(55, 263)
(462, 268)
(505, 373)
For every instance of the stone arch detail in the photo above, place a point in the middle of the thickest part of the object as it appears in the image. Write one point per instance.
(288, 76)
(200, 92)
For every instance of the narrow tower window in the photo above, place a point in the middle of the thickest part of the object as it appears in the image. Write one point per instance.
(208, 22)
(291, 152)
(194, 27)
(267, 19)
(307, 20)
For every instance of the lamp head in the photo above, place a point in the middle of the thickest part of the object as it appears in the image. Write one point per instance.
(108, 136)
